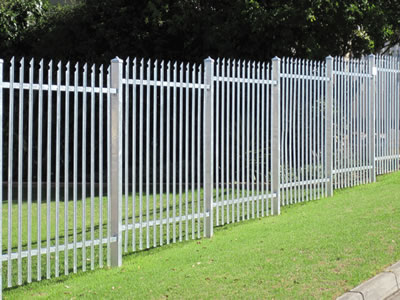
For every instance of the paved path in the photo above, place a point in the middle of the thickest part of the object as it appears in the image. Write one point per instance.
(384, 286)
(394, 296)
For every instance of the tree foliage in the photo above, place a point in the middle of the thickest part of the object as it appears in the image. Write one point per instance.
(17, 17)
(97, 30)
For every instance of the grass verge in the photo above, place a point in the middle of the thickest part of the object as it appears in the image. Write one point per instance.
(317, 249)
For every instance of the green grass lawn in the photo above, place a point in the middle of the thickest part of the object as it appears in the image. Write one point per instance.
(317, 249)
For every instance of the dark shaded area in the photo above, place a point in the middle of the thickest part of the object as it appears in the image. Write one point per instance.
(98, 30)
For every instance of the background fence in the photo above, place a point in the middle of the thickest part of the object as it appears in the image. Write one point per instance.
(98, 161)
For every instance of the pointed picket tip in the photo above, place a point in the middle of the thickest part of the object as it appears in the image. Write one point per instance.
(101, 68)
(59, 65)
(142, 61)
(22, 61)
(162, 64)
(134, 61)
(85, 67)
(223, 61)
(68, 65)
(12, 60)
(50, 64)
(169, 65)
(209, 60)
(93, 68)
(149, 62)
(155, 63)
(116, 60)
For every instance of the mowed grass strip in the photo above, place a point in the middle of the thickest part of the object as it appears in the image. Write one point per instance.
(318, 249)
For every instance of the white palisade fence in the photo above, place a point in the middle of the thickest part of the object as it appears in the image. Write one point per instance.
(97, 161)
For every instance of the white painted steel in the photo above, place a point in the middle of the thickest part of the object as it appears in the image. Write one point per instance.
(66, 169)
(39, 171)
(75, 172)
(84, 162)
(199, 110)
(42, 251)
(155, 116)
(162, 109)
(30, 141)
(20, 162)
(101, 177)
(134, 146)
(329, 127)
(92, 165)
(180, 153)
(126, 158)
(312, 125)
(187, 69)
(174, 164)
(193, 157)
(208, 131)
(48, 172)
(116, 163)
(148, 154)
(58, 142)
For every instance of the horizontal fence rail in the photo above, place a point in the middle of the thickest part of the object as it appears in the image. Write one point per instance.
(303, 94)
(242, 131)
(387, 127)
(57, 217)
(353, 111)
(97, 161)
(163, 157)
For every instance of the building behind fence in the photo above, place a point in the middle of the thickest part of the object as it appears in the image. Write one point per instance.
(108, 160)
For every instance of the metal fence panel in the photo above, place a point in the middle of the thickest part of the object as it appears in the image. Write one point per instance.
(145, 153)
(387, 115)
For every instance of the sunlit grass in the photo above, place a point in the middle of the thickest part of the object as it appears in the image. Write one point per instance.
(317, 249)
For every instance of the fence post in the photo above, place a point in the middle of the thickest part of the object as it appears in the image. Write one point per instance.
(208, 137)
(116, 162)
(373, 72)
(276, 136)
(329, 127)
